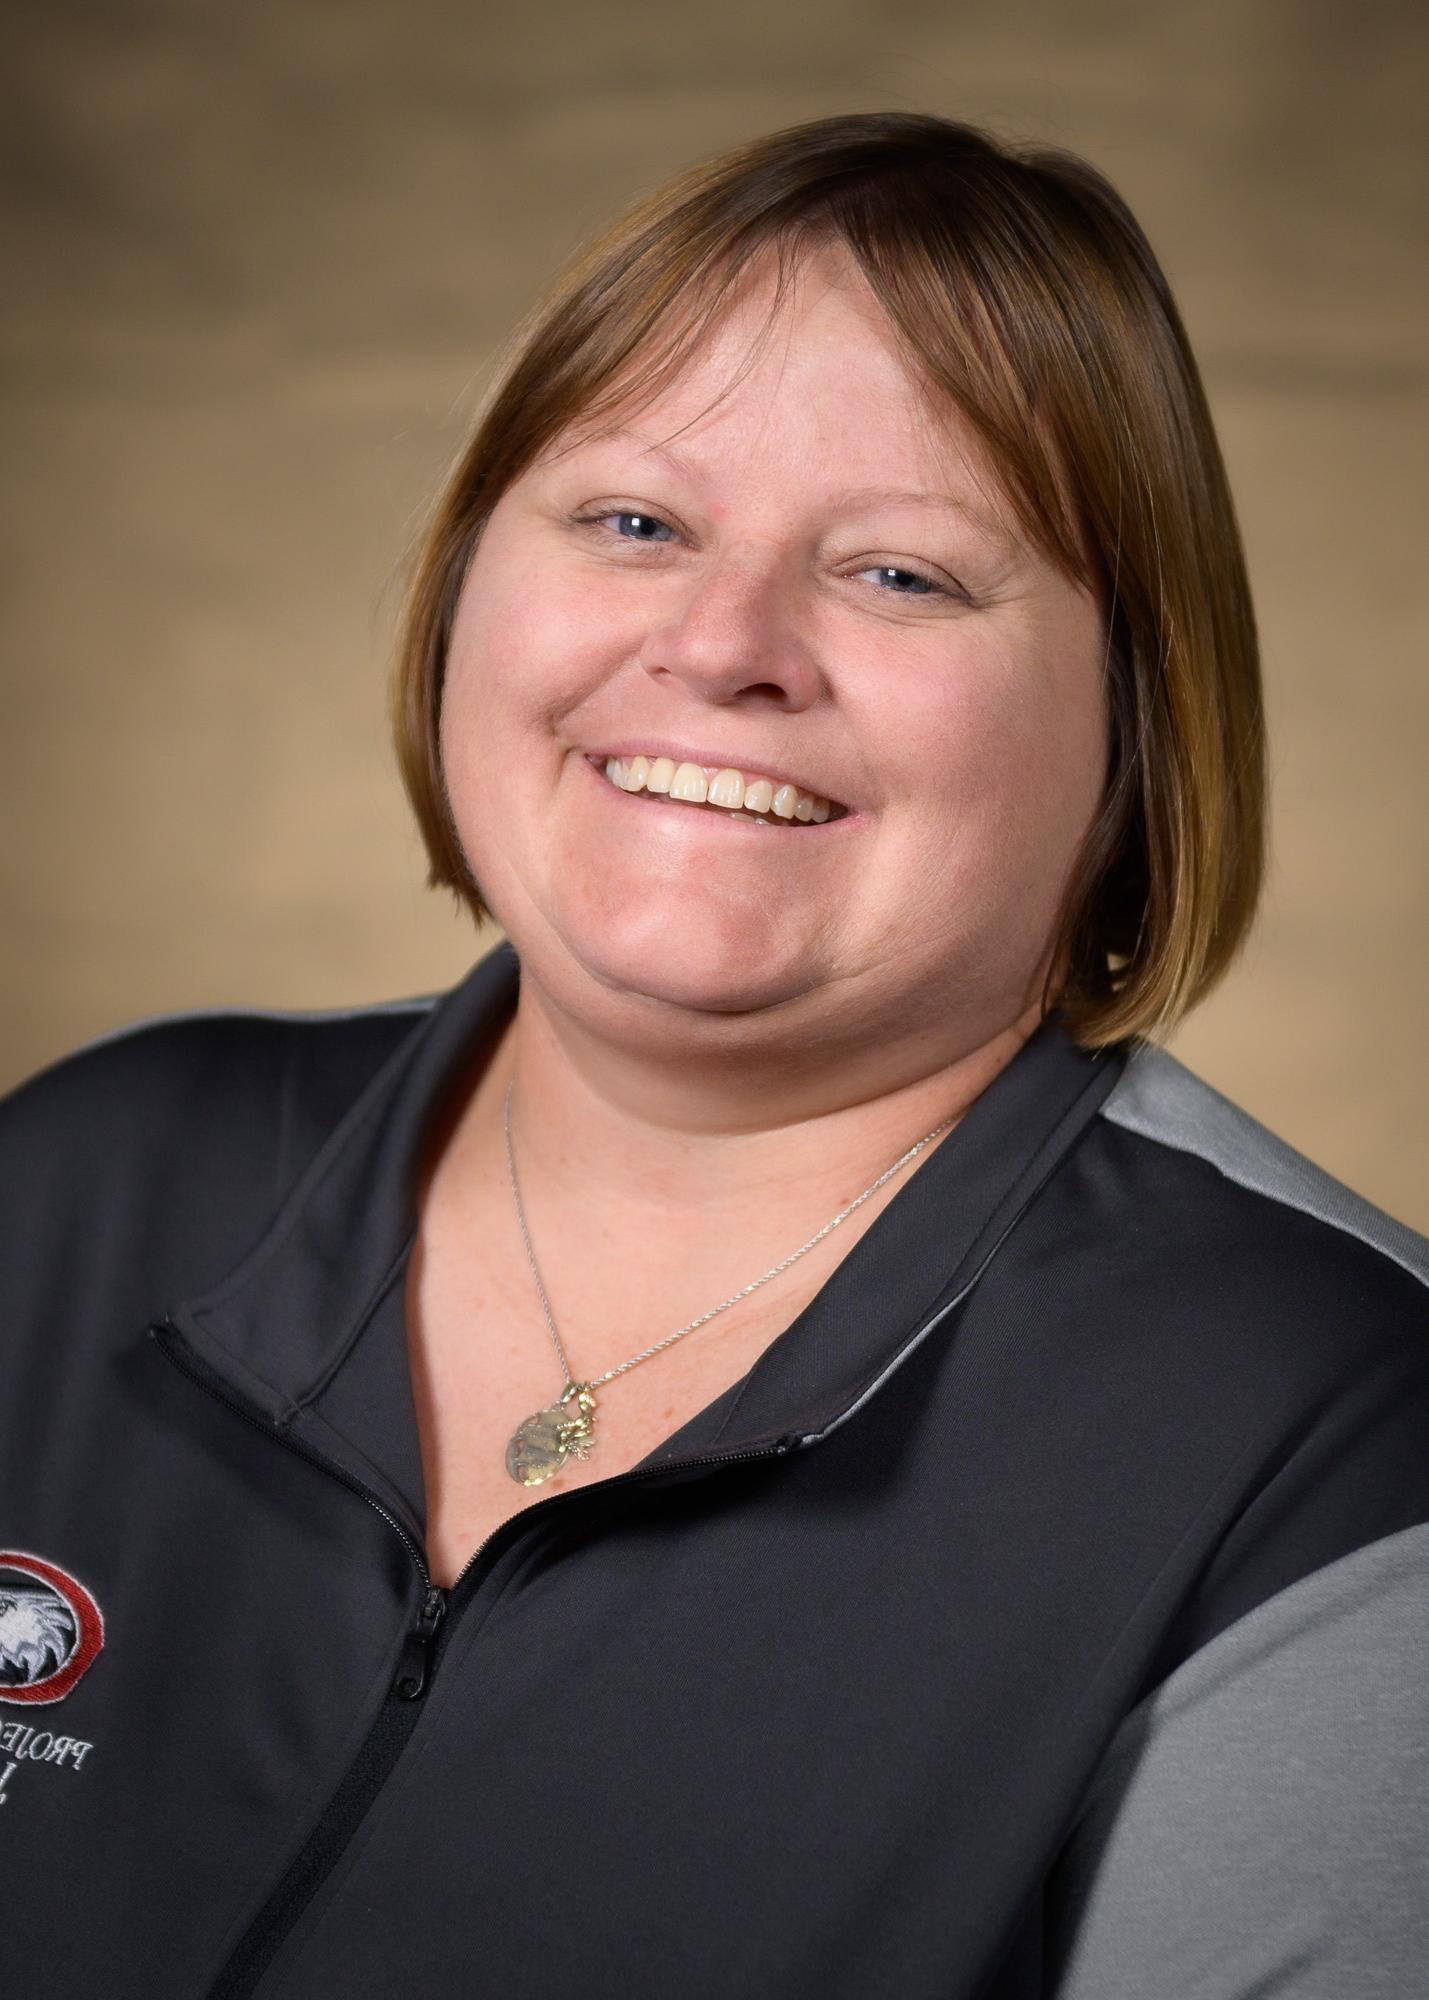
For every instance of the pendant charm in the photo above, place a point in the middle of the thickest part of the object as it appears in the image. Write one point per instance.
(541, 1446)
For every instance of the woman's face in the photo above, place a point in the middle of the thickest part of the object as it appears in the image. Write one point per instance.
(801, 578)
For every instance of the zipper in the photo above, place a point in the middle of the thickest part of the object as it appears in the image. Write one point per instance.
(400, 1712)
(418, 1647)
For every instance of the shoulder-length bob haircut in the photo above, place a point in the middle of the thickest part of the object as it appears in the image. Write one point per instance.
(1025, 296)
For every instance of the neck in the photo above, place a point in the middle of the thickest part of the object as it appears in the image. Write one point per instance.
(658, 1143)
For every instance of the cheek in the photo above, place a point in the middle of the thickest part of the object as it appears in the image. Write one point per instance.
(522, 646)
(507, 655)
(1014, 758)
(521, 662)
(489, 696)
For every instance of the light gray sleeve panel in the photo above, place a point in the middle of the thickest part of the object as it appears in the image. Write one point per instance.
(1161, 1099)
(1260, 1825)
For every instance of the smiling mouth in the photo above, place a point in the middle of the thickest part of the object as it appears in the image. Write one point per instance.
(739, 795)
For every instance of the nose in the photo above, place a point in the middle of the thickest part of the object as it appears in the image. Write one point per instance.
(735, 635)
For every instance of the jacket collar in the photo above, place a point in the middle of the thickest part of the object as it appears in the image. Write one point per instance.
(313, 1317)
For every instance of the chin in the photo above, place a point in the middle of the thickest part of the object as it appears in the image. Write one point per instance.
(678, 974)
(682, 945)
(689, 987)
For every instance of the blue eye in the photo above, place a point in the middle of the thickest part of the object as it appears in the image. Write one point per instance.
(904, 582)
(642, 527)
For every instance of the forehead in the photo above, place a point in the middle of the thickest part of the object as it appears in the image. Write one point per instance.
(808, 374)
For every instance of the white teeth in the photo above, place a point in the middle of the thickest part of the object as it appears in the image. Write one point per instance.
(727, 788)
(689, 783)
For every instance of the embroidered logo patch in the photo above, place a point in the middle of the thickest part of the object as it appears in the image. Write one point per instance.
(51, 1629)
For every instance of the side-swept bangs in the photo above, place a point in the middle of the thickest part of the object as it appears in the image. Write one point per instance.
(1026, 297)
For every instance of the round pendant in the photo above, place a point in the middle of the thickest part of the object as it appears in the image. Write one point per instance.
(541, 1446)
(537, 1450)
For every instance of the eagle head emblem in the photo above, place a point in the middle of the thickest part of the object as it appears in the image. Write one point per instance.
(51, 1629)
(38, 1633)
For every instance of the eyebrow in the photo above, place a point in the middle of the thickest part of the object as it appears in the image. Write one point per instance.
(861, 496)
(955, 503)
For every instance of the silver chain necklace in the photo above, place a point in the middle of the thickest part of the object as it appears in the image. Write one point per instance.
(540, 1446)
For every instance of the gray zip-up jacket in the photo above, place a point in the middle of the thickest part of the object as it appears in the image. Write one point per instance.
(821, 1699)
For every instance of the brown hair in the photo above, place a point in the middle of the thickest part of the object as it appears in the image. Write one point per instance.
(1024, 292)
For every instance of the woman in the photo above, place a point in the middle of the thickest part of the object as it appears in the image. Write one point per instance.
(676, 1467)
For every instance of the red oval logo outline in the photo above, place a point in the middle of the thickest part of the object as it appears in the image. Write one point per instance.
(89, 1622)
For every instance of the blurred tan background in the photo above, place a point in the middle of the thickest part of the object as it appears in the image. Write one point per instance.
(260, 260)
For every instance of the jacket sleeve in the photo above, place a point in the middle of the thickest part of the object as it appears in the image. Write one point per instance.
(1261, 1823)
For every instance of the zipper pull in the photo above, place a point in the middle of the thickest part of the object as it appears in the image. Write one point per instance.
(416, 1668)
